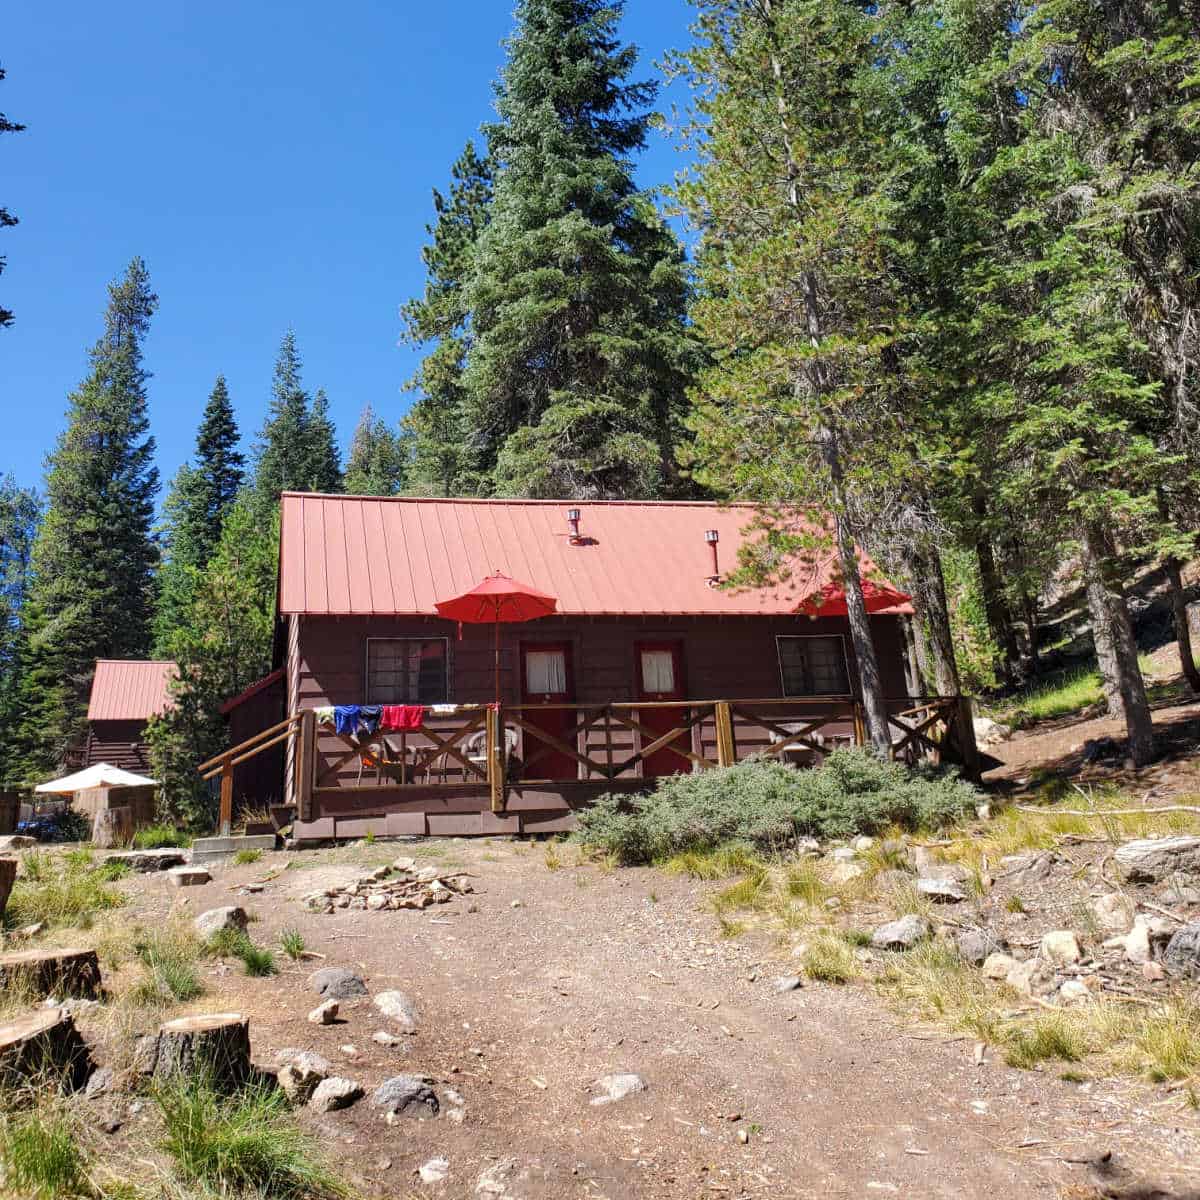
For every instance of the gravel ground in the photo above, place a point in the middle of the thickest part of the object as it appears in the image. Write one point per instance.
(543, 980)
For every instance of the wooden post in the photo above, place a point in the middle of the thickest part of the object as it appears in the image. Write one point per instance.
(608, 743)
(495, 763)
(966, 739)
(225, 825)
(306, 763)
(723, 719)
(860, 725)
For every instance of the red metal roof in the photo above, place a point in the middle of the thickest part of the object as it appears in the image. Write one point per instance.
(125, 689)
(366, 555)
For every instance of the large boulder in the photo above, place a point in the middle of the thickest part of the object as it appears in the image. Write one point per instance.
(941, 890)
(300, 1076)
(1182, 955)
(333, 1093)
(337, 983)
(1148, 860)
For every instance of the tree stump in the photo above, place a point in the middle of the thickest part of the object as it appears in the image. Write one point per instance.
(52, 972)
(214, 1048)
(43, 1044)
(112, 827)
(8, 876)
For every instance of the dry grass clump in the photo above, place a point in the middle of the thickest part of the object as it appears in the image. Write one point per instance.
(62, 892)
(829, 958)
(940, 986)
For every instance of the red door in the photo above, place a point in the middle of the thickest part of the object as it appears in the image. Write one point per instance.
(660, 677)
(547, 678)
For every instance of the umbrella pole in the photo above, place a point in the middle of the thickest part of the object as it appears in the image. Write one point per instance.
(497, 662)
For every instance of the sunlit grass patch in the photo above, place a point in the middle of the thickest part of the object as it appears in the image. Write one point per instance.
(291, 942)
(247, 1144)
(1048, 1036)
(66, 892)
(934, 980)
(246, 856)
(733, 859)
(168, 957)
(829, 958)
(235, 943)
(1166, 1046)
(160, 837)
(40, 1154)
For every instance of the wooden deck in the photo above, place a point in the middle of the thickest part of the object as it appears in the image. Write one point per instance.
(511, 769)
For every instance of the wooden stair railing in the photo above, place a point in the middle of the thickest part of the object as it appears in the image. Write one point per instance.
(224, 763)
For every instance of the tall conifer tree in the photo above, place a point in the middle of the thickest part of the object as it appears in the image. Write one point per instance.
(281, 457)
(198, 500)
(441, 318)
(378, 463)
(6, 218)
(92, 590)
(580, 356)
(324, 468)
(19, 514)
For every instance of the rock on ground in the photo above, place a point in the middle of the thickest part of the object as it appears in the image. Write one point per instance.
(217, 920)
(1032, 978)
(1182, 955)
(337, 983)
(333, 1093)
(997, 966)
(434, 1171)
(300, 1075)
(324, 1014)
(1114, 913)
(617, 1087)
(902, 934)
(99, 1083)
(1074, 991)
(1147, 933)
(941, 891)
(406, 1096)
(400, 1008)
(1148, 860)
(787, 983)
(977, 945)
(1060, 946)
(188, 876)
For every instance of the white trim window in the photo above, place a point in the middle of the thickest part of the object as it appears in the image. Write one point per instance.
(813, 666)
(406, 670)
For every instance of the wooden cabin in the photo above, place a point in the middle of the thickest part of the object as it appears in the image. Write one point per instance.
(648, 667)
(125, 694)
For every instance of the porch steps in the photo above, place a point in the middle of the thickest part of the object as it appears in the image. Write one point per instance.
(218, 849)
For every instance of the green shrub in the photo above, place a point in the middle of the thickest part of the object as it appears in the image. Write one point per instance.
(291, 942)
(245, 1144)
(160, 837)
(244, 857)
(769, 805)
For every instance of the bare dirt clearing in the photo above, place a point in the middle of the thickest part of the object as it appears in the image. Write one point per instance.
(544, 980)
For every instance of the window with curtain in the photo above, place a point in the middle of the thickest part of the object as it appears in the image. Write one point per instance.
(545, 672)
(658, 671)
(813, 666)
(406, 670)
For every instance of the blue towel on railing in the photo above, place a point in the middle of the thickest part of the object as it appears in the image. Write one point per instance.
(368, 717)
(345, 718)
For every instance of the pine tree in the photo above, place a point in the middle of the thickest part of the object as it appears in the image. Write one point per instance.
(378, 463)
(20, 511)
(324, 461)
(7, 220)
(198, 500)
(91, 594)
(441, 317)
(223, 644)
(580, 356)
(282, 453)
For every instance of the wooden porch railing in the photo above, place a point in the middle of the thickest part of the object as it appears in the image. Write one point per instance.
(616, 740)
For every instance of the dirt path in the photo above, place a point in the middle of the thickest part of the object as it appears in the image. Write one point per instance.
(522, 1007)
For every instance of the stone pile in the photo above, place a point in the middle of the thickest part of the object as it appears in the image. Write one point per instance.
(387, 888)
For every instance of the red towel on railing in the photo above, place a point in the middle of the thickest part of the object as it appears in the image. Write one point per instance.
(402, 716)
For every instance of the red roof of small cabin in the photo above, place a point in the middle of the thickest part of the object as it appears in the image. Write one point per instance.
(367, 555)
(125, 689)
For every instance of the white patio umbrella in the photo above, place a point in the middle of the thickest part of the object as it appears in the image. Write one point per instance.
(99, 775)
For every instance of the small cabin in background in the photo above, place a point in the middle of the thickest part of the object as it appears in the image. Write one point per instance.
(126, 693)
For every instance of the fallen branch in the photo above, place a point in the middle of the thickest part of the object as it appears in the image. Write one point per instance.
(1106, 812)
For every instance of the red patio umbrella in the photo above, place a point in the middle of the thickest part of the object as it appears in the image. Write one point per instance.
(830, 601)
(498, 600)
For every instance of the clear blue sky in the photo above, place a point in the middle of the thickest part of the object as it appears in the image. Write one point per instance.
(272, 163)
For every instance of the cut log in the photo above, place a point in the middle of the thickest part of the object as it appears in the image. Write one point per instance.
(214, 1049)
(112, 827)
(51, 972)
(8, 876)
(43, 1044)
